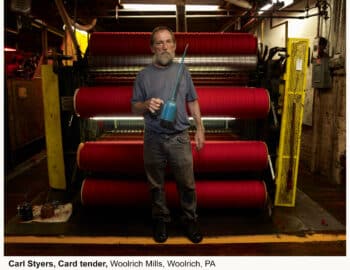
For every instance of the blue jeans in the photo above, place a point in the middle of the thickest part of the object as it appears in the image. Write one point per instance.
(175, 150)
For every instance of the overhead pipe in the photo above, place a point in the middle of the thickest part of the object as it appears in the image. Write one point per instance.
(255, 17)
(87, 27)
(171, 16)
(286, 17)
(236, 20)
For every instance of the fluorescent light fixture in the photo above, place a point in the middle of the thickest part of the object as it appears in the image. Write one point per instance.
(165, 7)
(149, 7)
(286, 3)
(265, 8)
(117, 118)
(202, 7)
(209, 118)
(7, 49)
(213, 118)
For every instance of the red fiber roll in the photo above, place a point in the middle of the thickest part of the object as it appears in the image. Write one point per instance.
(136, 43)
(240, 102)
(111, 156)
(230, 156)
(210, 194)
(102, 101)
(216, 156)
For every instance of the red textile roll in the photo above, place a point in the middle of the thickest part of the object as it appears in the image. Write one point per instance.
(240, 102)
(210, 194)
(136, 43)
(230, 156)
(216, 156)
(102, 101)
(111, 156)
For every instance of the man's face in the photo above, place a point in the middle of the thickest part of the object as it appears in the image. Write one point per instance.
(163, 48)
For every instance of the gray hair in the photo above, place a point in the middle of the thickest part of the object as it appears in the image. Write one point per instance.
(160, 28)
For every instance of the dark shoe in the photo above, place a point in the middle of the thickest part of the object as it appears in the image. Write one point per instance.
(160, 234)
(193, 232)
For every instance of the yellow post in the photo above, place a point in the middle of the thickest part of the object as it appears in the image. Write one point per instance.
(53, 135)
(292, 117)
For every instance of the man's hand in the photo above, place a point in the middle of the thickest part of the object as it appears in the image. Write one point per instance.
(154, 104)
(199, 138)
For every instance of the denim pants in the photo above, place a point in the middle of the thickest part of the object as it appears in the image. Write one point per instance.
(174, 150)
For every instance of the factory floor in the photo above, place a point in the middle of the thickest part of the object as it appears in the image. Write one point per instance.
(316, 226)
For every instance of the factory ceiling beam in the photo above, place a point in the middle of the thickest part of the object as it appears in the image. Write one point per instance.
(181, 21)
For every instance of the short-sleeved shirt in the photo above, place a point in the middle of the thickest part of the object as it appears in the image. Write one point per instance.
(156, 82)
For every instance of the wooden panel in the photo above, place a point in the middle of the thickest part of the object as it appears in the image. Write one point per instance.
(329, 130)
(25, 112)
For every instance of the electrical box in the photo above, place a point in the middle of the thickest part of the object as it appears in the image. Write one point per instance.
(321, 77)
(21, 6)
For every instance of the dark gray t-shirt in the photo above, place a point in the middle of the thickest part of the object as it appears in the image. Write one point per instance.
(155, 82)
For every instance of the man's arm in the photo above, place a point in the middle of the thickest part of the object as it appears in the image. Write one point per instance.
(195, 111)
(152, 105)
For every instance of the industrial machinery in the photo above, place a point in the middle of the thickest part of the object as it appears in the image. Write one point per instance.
(231, 170)
(96, 141)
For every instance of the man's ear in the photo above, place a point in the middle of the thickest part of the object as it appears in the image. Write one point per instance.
(152, 49)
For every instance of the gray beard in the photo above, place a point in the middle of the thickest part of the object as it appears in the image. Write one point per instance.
(164, 59)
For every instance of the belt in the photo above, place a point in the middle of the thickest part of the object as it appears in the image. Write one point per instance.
(176, 132)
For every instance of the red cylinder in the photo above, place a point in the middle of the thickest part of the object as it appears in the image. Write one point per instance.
(137, 43)
(230, 156)
(210, 194)
(215, 156)
(240, 102)
(103, 101)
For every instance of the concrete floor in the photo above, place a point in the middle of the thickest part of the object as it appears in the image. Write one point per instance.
(315, 226)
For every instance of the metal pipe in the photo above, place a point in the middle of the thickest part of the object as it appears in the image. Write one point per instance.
(67, 22)
(41, 24)
(285, 23)
(285, 17)
(171, 16)
(233, 22)
(11, 31)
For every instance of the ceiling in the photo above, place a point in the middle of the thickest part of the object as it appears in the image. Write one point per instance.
(25, 18)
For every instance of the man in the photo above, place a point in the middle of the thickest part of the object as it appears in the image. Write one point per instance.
(152, 88)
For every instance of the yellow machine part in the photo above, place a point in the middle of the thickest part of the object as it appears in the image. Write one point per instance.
(53, 135)
(291, 126)
(68, 47)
